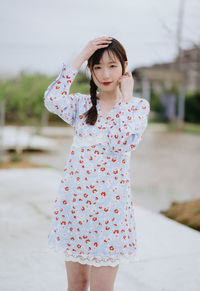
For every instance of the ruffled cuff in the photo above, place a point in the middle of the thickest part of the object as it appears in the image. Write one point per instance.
(128, 126)
(69, 69)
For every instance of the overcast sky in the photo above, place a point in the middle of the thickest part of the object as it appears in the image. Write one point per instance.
(39, 35)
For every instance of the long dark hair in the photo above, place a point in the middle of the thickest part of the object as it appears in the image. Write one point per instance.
(118, 50)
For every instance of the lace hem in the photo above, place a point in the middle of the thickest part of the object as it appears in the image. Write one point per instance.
(96, 261)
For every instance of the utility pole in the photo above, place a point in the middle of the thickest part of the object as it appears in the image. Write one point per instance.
(180, 26)
(181, 96)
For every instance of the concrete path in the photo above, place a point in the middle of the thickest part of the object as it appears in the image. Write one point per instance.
(169, 252)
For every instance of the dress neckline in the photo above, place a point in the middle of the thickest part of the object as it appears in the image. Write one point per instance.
(114, 106)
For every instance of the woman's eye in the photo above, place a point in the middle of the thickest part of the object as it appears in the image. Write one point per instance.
(112, 66)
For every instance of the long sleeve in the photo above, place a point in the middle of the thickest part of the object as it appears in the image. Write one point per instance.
(57, 98)
(128, 126)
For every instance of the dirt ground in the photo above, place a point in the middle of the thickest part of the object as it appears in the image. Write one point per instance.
(187, 213)
(21, 164)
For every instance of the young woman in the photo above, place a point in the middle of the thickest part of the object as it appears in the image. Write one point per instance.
(93, 221)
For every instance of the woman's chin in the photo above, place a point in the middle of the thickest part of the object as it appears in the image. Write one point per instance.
(110, 89)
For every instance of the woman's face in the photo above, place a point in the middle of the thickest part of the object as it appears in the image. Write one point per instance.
(109, 70)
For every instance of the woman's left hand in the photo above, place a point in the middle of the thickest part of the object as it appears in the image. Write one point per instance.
(126, 83)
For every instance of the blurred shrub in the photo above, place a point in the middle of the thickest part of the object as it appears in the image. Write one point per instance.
(24, 96)
(156, 105)
(192, 108)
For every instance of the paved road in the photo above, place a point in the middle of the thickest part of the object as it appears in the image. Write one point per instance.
(169, 254)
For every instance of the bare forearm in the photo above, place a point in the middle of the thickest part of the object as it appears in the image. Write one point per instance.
(78, 61)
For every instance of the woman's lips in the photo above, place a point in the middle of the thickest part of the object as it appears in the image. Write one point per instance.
(107, 83)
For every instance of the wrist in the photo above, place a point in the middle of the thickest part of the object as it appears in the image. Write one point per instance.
(128, 97)
(78, 61)
(81, 57)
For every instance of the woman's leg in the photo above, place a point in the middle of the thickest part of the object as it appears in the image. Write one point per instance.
(103, 278)
(78, 276)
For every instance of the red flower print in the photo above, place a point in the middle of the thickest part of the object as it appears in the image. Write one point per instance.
(116, 231)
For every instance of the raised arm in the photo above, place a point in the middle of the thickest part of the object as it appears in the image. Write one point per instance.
(57, 98)
(128, 126)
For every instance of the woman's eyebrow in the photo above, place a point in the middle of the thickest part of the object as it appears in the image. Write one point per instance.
(108, 63)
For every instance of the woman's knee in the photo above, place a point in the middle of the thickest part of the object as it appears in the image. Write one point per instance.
(78, 276)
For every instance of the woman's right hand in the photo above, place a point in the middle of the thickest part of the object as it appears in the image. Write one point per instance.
(94, 45)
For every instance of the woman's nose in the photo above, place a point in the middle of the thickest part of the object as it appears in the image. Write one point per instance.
(106, 74)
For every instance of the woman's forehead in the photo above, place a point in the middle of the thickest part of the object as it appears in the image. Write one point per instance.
(108, 58)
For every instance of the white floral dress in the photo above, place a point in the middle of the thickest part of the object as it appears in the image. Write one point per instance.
(93, 214)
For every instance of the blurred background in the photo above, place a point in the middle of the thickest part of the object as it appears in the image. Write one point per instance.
(162, 41)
